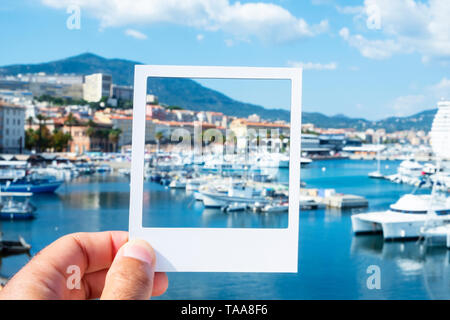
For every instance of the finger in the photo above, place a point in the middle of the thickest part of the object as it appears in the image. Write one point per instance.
(160, 284)
(45, 276)
(91, 252)
(93, 283)
(132, 273)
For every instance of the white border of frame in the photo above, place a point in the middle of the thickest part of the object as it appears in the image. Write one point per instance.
(217, 249)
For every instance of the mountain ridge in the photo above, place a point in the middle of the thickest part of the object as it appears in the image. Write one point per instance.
(190, 94)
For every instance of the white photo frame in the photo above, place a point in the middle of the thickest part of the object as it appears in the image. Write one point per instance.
(217, 249)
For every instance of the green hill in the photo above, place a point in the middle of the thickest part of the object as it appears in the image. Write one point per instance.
(190, 94)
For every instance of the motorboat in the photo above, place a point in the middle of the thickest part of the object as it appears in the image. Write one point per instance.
(13, 209)
(178, 183)
(409, 171)
(32, 184)
(233, 207)
(104, 168)
(11, 247)
(214, 199)
(405, 219)
(376, 175)
(276, 207)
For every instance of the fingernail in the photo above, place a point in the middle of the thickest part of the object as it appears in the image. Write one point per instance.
(138, 249)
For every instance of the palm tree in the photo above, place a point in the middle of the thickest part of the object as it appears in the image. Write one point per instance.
(41, 118)
(113, 137)
(90, 131)
(30, 121)
(70, 121)
(158, 136)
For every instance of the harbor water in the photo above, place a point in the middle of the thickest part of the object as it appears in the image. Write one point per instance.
(333, 263)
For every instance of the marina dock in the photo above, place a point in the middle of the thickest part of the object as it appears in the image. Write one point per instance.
(345, 201)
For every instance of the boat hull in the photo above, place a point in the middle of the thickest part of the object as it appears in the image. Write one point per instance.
(16, 216)
(34, 188)
(218, 201)
(394, 226)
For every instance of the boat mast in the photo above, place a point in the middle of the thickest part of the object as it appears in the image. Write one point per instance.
(378, 156)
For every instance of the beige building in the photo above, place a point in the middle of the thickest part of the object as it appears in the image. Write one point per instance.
(96, 86)
(244, 127)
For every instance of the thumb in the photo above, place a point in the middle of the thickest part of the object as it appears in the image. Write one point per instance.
(131, 274)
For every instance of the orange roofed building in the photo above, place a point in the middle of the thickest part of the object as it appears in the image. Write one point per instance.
(83, 138)
(153, 126)
(242, 127)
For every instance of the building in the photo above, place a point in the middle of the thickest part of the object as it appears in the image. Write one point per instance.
(334, 142)
(96, 86)
(82, 141)
(310, 145)
(73, 91)
(12, 128)
(168, 129)
(159, 112)
(250, 133)
(254, 118)
(184, 115)
(440, 131)
(152, 99)
(124, 93)
(243, 128)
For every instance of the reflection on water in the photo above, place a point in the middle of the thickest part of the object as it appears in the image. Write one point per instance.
(332, 262)
(411, 259)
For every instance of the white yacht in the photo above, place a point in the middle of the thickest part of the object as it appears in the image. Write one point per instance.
(409, 170)
(406, 218)
(216, 199)
(178, 183)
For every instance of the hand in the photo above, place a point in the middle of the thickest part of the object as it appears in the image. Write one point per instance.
(110, 268)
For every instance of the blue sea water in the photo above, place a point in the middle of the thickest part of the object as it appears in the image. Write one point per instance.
(332, 262)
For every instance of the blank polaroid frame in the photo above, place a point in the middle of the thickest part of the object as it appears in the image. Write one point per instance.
(217, 249)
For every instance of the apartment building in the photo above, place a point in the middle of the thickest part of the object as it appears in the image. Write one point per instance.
(96, 86)
(12, 128)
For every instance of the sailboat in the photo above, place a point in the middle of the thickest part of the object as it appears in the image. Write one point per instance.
(377, 174)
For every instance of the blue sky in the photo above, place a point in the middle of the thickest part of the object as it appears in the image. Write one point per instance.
(371, 59)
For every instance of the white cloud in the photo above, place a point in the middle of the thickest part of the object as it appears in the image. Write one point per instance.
(356, 10)
(374, 49)
(200, 37)
(135, 34)
(428, 98)
(408, 105)
(244, 21)
(441, 90)
(408, 25)
(229, 42)
(313, 65)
